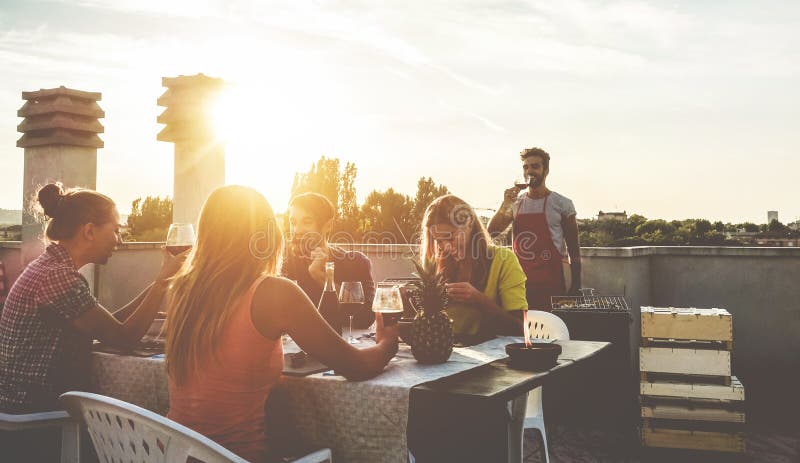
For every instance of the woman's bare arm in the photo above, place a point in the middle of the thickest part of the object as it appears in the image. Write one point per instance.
(281, 306)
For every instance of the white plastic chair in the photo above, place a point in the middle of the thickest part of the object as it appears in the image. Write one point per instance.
(124, 432)
(70, 431)
(543, 325)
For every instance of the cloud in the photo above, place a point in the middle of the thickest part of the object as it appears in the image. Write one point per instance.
(440, 74)
(628, 24)
(175, 8)
(40, 50)
(488, 123)
(332, 25)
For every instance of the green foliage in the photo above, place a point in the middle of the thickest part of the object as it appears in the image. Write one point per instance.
(635, 220)
(386, 217)
(427, 191)
(631, 241)
(776, 226)
(650, 227)
(150, 218)
(327, 177)
(431, 292)
(701, 227)
(714, 238)
(639, 231)
(750, 227)
(657, 238)
(349, 213)
(392, 217)
(596, 238)
(153, 234)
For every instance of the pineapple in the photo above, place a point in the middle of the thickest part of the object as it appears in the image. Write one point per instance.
(432, 329)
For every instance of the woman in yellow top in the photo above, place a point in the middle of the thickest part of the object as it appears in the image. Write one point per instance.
(485, 283)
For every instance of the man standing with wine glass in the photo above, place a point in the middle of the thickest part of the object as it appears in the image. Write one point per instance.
(311, 218)
(545, 232)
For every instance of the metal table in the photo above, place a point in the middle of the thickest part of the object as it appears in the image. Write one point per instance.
(477, 415)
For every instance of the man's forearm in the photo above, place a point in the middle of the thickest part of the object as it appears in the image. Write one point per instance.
(574, 249)
(500, 221)
(575, 269)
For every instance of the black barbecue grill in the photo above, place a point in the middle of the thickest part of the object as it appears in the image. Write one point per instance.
(590, 303)
(593, 317)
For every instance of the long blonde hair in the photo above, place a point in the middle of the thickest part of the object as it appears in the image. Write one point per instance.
(452, 210)
(238, 240)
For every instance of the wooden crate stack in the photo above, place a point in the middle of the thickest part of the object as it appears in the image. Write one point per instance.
(689, 399)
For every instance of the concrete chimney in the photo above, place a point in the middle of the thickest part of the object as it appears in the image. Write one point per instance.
(59, 128)
(199, 155)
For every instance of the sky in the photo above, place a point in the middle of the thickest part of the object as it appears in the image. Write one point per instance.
(669, 109)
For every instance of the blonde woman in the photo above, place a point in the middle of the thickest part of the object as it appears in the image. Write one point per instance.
(227, 312)
(486, 284)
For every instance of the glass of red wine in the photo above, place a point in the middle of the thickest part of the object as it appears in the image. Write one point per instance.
(388, 302)
(180, 238)
(351, 300)
(522, 182)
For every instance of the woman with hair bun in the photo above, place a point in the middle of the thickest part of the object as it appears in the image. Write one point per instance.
(50, 317)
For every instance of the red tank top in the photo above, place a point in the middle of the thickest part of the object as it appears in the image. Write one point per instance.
(224, 400)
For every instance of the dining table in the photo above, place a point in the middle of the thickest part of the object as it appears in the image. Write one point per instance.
(411, 411)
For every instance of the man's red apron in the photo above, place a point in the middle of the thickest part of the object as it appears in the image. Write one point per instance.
(539, 257)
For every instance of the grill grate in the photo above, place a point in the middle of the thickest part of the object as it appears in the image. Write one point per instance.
(589, 302)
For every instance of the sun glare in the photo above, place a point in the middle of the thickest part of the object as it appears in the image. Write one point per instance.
(265, 137)
(220, 111)
(273, 130)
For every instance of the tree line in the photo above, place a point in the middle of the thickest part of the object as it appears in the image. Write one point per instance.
(385, 216)
(389, 216)
(637, 230)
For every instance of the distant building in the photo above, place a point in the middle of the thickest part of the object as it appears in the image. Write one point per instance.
(778, 242)
(622, 216)
(742, 236)
(771, 215)
(795, 226)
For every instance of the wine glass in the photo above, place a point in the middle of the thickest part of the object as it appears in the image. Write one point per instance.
(351, 299)
(180, 238)
(388, 302)
(522, 182)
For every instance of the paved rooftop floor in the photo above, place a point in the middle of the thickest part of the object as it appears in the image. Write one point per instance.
(569, 444)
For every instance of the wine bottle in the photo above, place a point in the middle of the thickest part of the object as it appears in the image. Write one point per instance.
(329, 302)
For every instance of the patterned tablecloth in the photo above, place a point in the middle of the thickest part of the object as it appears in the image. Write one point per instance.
(359, 421)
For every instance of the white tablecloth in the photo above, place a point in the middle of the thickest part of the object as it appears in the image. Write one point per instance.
(360, 421)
